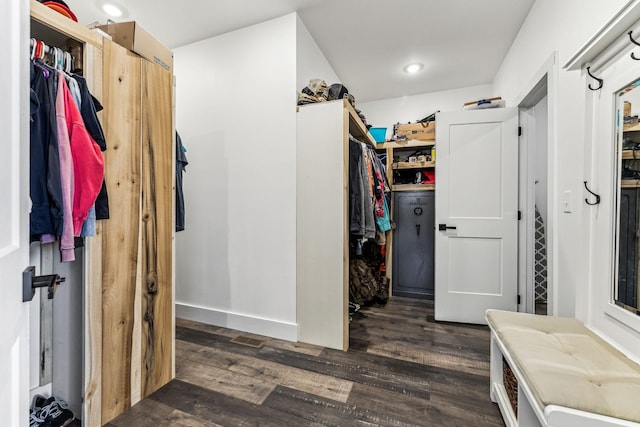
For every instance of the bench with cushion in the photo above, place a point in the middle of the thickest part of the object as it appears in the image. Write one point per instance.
(565, 375)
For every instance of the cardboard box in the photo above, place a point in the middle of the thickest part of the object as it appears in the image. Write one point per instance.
(135, 38)
(627, 108)
(421, 131)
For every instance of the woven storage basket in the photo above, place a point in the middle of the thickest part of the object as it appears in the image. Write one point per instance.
(511, 385)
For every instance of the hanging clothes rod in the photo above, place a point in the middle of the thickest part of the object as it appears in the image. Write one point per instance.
(58, 58)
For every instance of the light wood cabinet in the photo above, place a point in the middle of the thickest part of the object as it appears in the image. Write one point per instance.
(322, 205)
(128, 306)
(137, 273)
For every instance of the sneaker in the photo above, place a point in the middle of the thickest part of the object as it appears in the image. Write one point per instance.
(37, 402)
(55, 413)
(36, 406)
(34, 420)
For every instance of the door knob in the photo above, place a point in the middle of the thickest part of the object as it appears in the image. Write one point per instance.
(445, 227)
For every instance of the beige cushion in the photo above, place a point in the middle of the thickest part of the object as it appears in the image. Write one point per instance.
(566, 364)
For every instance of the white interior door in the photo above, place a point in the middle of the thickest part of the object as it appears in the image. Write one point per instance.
(14, 218)
(476, 214)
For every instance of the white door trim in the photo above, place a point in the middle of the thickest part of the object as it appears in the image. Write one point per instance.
(532, 93)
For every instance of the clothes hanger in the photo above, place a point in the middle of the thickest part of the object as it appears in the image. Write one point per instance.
(59, 59)
(33, 48)
(68, 62)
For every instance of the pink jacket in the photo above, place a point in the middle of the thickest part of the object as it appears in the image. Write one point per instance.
(66, 175)
(88, 164)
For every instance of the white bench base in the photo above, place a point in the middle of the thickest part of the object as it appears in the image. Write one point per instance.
(530, 412)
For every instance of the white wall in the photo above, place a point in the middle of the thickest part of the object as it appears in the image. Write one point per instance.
(310, 61)
(539, 112)
(235, 111)
(387, 112)
(564, 27)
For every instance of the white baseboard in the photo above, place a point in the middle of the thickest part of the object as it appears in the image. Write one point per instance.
(241, 322)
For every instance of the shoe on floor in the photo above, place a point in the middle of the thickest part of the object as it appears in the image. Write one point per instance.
(54, 413)
(36, 405)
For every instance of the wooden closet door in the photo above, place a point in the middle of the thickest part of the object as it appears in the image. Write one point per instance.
(121, 120)
(157, 227)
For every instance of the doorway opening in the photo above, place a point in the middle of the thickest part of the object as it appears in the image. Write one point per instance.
(536, 183)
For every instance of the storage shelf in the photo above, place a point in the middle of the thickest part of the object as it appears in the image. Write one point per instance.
(410, 143)
(57, 25)
(632, 127)
(413, 187)
(630, 154)
(357, 128)
(630, 183)
(413, 165)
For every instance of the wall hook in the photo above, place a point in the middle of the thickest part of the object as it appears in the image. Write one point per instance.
(594, 194)
(633, 56)
(600, 81)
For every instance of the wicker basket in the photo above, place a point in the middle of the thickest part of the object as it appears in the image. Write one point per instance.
(511, 385)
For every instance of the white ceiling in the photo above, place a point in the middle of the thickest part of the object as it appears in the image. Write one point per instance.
(368, 42)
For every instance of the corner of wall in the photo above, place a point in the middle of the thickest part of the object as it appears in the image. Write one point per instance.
(311, 62)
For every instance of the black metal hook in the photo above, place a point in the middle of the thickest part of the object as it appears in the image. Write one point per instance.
(600, 81)
(594, 194)
(633, 56)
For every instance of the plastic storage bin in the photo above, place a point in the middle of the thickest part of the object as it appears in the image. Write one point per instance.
(378, 134)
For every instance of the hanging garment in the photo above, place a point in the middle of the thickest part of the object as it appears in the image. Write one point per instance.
(45, 188)
(540, 260)
(381, 208)
(367, 184)
(89, 109)
(88, 164)
(89, 225)
(181, 164)
(356, 192)
(66, 175)
(40, 133)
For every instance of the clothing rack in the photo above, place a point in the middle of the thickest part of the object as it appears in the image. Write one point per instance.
(56, 57)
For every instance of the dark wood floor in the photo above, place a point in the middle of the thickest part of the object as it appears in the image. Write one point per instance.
(403, 369)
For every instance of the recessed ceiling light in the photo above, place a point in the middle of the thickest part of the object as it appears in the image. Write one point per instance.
(413, 68)
(112, 10)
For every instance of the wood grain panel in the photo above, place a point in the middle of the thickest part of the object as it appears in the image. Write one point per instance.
(266, 371)
(62, 24)
(386, 389)
(328, 412)
(120, 233)
(92, 413)
(158, 175)
(155, 414)
(243, 387)
(222, 409)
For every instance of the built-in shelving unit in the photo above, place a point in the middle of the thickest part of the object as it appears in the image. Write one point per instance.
(630, 183)
(393, 148)
(633, 127)
(409, 143)
(413, 165)
(630, 154)
(413, 187)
